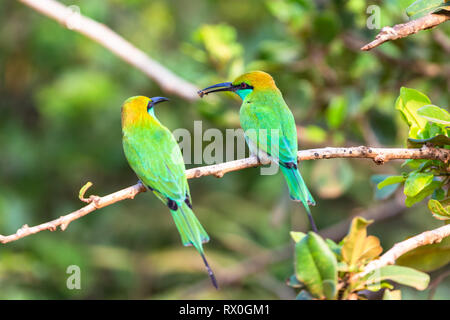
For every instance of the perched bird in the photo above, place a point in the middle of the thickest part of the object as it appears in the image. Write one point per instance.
(154, 155)
(263, 107)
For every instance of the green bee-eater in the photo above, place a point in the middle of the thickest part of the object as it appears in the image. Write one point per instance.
(263, 110)
(154, 155)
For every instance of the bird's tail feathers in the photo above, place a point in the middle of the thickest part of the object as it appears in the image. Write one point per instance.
(298, 191)
(192, 233)
(297, 187)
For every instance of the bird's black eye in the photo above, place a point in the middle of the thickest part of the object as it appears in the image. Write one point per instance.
(244, 85)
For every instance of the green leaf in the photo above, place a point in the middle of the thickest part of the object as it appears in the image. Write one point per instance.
(427, 191)
(304, 295)
(293, 282)
(315, 134)
(435, 114)
(413, 163)
(220, 42)
(334, 247)
(297, 236)
(421, 8)
(439, 140)
(329, 289)
(439, 194)
(357, 247)
(402, 275)
(378, 286)
(416, 182)
(314, 264)
(390, 180)
(408, 103)
(440, 210)
(427, 258)
(392, 295)
(336, 112)
(381, 194)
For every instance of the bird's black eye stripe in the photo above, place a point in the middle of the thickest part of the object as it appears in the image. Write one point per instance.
(244, 85)
(149, 105)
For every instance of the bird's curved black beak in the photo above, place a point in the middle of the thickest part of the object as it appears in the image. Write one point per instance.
(225, 86)
(156, 100)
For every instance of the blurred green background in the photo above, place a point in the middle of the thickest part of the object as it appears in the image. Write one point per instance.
(60, 99)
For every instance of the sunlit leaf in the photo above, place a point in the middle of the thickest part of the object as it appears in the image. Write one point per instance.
(387, 191)
(408, 103)
(423, 7)
(416, 182)
(413, 163)
(219, 41)
(378, 286)
(357, 247)
(392, 295)
(435, 114)
(402, 275)
(390, 180)
(314, 264)
(297, 236)
(427, 191)
(440, 210)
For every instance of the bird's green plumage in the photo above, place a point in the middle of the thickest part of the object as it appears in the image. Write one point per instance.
(263, 109)
(154, 155)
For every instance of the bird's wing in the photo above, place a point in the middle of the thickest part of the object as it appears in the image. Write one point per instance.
(264, 115)
(158, 163)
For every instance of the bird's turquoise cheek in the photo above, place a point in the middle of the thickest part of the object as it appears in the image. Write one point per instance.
(151, 112)
(244, 93)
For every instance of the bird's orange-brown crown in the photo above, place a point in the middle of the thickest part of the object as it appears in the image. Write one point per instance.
(257, 79)
(134, 108)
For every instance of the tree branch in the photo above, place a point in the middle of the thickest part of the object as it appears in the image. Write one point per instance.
(406, 29)
(168, 81)
(379, 156)
(399, 249)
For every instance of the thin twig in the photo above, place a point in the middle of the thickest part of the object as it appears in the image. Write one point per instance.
(66, 16)
(379, 155)
(405, 29)
(422, 67)
(399, 249)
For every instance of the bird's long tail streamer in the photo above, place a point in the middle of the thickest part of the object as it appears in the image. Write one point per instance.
(192, 233)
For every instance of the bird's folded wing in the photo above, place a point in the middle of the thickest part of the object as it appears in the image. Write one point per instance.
(280, 144)
(160, 166)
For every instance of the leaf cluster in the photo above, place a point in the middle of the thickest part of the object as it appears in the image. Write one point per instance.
(325, 269)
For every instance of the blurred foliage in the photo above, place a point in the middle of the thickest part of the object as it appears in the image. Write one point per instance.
(60, 127)
(325, 269)
(422, 7)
